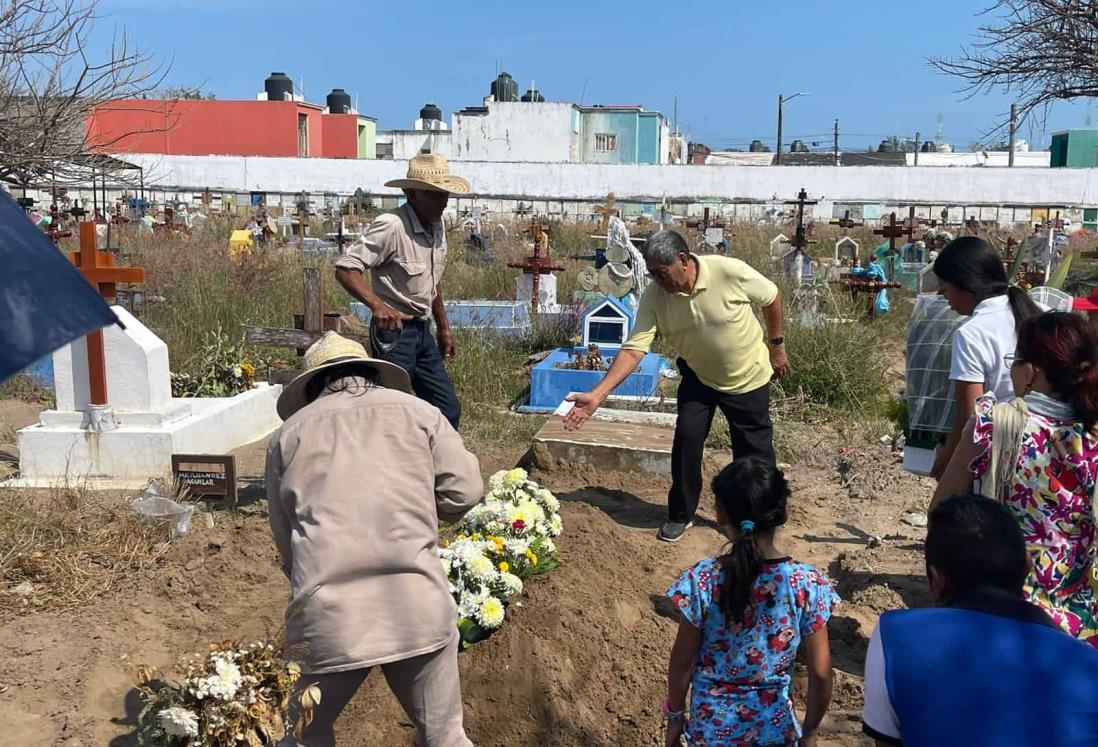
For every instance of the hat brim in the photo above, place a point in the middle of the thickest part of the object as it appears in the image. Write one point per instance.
(293, 396)
(452, 184)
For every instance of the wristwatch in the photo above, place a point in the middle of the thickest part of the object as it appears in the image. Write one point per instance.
(776, 341)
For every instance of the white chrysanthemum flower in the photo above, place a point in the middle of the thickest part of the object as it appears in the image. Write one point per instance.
(464, 550)
(548, 547)
(225, 681)
(556, 526)
(548, 500)
(481, 567)
(528, 513)
(512, 584)
(469, 603)
(178, 722)
(516, 546)
(515, 477)
(490, 614)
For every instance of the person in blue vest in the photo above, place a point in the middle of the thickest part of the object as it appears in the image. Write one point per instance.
(987, 667)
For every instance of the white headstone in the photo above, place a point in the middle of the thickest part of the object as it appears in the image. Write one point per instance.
(547, 291)
(779, 246)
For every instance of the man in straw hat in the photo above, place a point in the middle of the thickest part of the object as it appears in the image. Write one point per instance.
(405, 252)
(358, 478)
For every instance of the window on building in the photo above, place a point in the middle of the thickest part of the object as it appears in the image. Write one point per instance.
(385, 150)
(606, 142)
(302, 135)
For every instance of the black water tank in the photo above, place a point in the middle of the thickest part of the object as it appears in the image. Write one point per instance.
(887, 146)
(504, 88)
(756, 147)
(798, 146)
(430, 111)
(929, 147)
(279, 87)
(339, 102)
(533, 96)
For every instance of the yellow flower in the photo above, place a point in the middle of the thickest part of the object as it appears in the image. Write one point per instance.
(498, 541)
(515, 477)
(504, 567)
(532, 557)
(248, 369)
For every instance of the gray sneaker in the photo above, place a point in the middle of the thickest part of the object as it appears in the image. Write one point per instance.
(672, 531)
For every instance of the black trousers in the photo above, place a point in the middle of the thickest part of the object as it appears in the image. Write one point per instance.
(749, 424)
(414, 349)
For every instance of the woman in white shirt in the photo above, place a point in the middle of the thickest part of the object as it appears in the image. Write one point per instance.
(973, 280)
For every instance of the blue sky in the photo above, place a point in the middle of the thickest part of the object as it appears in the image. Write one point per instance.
(726, 62)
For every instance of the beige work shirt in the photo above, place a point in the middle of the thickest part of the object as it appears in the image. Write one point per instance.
(405, 259)
(357, 484)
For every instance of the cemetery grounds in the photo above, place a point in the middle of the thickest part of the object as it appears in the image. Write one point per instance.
(87, 596)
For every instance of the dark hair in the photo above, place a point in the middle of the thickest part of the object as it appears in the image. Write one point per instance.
(749, 489)
(975, 541)
(1065, 347)
(326, 378)
(974, 265)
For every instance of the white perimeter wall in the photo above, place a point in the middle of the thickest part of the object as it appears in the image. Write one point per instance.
(515, 131)
(642, 183)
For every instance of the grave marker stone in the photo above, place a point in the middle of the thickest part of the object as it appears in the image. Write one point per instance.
(206, 475)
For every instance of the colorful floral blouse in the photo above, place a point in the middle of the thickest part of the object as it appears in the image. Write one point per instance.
(1051, 496)
(740, 690)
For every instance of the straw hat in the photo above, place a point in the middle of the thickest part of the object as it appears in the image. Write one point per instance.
(432, 172)
(330, 351)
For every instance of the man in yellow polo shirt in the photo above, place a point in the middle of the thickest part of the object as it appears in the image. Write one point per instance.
(704, 308)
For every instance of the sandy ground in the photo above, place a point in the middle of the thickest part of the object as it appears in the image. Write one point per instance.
(581, 662)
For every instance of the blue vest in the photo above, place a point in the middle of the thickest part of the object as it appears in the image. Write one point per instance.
(989, 671)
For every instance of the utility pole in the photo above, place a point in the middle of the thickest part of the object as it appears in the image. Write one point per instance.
(1013, 133)
(837, 142)
(778, 150)
(917, 148)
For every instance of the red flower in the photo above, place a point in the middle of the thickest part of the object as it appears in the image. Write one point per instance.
(519, 525)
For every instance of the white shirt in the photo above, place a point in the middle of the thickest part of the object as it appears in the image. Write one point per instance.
(980, 344)
(878, 714)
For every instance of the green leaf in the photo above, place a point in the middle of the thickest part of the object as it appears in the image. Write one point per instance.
(1056, 280)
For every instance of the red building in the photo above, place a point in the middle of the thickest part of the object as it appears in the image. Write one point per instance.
(203, 127)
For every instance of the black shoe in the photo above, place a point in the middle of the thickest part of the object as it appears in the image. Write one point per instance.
(672, 531)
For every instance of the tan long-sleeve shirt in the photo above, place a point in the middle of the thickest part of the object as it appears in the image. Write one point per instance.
(357, 484)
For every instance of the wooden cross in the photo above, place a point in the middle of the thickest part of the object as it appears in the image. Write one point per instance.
(536, 265)
(99, 269)
(53, 230)
(801, 238)
(891, 232)
(606, 210)
(309, 326)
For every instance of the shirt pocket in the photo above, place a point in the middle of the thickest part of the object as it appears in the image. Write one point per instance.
(412, 267)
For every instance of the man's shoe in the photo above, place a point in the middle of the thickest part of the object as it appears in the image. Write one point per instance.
(672, 531)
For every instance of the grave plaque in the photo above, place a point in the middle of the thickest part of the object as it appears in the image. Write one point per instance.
(206, 475)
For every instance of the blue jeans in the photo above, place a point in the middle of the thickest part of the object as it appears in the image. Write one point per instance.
(414, 349)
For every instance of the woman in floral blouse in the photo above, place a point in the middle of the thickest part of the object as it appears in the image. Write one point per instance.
(1052, 488)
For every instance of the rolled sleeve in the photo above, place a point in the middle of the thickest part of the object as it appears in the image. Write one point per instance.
(644, 326)
(372, 248)
(458, 484)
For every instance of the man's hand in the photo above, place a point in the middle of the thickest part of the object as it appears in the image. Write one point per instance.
(446, 345)
(388, 318)
(673, 736)
(585, 406)
(779, 361)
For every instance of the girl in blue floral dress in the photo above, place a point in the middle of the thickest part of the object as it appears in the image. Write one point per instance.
(744, 614)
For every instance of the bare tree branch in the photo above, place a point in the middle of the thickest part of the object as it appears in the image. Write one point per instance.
(1037, 51)
(51, 81)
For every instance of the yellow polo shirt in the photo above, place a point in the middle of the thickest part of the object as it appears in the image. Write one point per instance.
(713, 327)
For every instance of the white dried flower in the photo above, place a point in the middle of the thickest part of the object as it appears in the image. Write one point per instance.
(178, 722)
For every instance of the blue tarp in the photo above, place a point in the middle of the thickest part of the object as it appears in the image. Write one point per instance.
(45, 302)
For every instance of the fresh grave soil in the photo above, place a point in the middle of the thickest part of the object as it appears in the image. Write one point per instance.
(581, 659)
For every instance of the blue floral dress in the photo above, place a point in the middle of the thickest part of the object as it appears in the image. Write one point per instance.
(740, 691)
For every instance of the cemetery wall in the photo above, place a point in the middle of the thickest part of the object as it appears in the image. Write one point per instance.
(1007, 195)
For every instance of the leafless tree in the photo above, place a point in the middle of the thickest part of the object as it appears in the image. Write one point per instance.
(51, 79)
(1039, 51)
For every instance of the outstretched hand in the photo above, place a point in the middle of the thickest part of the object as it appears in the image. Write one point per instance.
(585, 406)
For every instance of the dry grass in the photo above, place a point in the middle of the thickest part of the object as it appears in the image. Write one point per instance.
(63, 548)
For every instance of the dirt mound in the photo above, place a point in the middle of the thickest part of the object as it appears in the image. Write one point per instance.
(581, 661)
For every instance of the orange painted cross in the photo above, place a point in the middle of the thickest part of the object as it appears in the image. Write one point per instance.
(99, 269)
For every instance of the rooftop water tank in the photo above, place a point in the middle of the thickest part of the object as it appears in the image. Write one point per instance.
(886, 146)
(533, 95)
(279, 87)
(430, 111)
(929, 147)
(339, 102)
(504, 88)
(798, 146)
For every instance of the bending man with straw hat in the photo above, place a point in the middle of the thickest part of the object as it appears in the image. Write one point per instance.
(359, 541)
(405, 252)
